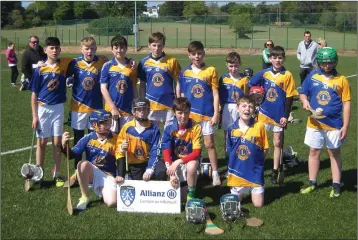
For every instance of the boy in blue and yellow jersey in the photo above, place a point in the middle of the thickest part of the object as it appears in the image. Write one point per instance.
(199, 83)
(119, 84)
(181, 148)
(328, 94)
(247, 147)
(275, 108)
(158, 75)
(140, 139)
(99, 170)
(232, 86)
(86, 93)
(48, 86)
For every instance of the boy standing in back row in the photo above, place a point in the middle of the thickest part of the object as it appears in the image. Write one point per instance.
(158, 74)
(280, 89)
(48, 86)
(199, 83)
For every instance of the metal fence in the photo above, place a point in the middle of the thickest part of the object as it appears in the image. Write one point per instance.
(339, 30)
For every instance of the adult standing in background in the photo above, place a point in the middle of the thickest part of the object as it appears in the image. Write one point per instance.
(265, 54)
(321, 43)
(12, 62)
(306, 54)
(30, 58)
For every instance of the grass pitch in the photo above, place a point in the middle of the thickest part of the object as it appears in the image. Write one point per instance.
(287, 214)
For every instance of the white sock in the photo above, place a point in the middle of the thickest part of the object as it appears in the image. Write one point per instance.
(56, 174)
(215, 172)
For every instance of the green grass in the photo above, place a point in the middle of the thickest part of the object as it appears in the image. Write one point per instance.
(181, 34)
(287, 214)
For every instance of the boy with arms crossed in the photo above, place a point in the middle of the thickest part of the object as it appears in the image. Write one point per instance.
(199, 83)
(119, 84)
(247, 146)
(326, 92)
(84, 73)
(99, 170)
(158, 74)
(48, 86)
(140, 139)
(275, 108)
(181, 148)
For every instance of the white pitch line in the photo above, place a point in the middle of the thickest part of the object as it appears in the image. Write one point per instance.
(22, 149)
(351, 76)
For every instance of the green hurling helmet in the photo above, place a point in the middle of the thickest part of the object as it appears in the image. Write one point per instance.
(327, 55)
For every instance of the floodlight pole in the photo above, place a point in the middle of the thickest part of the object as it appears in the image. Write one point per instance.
(135, 24)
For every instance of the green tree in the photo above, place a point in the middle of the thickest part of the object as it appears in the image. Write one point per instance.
(44, 10)
(84, 10)
(228, 7)
(171, 8)
(16, 19)
(118, 8)
(241, 24)
(7, 9)
(194, 8)
(64, 11)
(328, 19)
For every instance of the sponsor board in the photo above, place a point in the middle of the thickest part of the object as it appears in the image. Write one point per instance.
(149, 197)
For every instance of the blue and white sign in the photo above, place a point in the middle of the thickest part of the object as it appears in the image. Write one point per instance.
(150, 197)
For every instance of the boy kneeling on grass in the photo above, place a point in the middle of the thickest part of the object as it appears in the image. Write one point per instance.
(181, 148)
(247, 147)
(99, 170)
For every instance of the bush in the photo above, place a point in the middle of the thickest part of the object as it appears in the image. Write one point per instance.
(111, 26)
(36, 21)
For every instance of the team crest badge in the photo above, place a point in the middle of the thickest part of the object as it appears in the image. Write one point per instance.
(127, 195)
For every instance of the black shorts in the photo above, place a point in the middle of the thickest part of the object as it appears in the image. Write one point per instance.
(136, 171)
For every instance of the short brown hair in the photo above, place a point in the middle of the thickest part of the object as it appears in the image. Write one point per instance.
(181, 104)
(157, 36)
(119, 41)
(277, 51)
(245, 98)
(195, 46)
(88, 41)
(233, 57)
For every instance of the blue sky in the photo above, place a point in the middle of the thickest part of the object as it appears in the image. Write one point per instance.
(156, 3)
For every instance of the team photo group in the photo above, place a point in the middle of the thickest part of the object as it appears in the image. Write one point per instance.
(151, 120)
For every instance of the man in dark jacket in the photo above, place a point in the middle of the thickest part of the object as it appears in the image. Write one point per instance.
(30, 58)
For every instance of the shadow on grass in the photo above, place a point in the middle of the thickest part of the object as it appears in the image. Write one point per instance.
(277, 192)
(349, 181)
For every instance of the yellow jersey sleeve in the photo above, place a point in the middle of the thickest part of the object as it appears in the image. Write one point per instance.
(175, 68)
(214, 79)
(346, 93)
(196, 137)
(291, 88)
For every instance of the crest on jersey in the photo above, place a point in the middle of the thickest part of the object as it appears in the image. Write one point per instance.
(323, 97)
(139, 153)
(181, 151)
(235, 96)
(88, 83)
(53, 84)
(158, 79)
(99, 161)
(197, 91)
(127, 195)
(121, 86)
(243, 152)
(271, 95)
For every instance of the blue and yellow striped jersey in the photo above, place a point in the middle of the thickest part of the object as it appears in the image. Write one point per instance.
(230, 89)
(86, 90)
(159, 76)
(101, 154)
(246, 154)
(181, 143)
(143, 147)
(121, 83)
(49, 83)
(328, 94)
(277, 87)
(198, 88)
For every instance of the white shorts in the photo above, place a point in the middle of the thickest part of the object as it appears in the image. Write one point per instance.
(230, 115)
(246, 190)
(80, 121)
(162, 116)
(100, 179)
(182, 172)
(273, 128)
(320, 138)
(50, 120)
(206, 128)
(116, 126)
